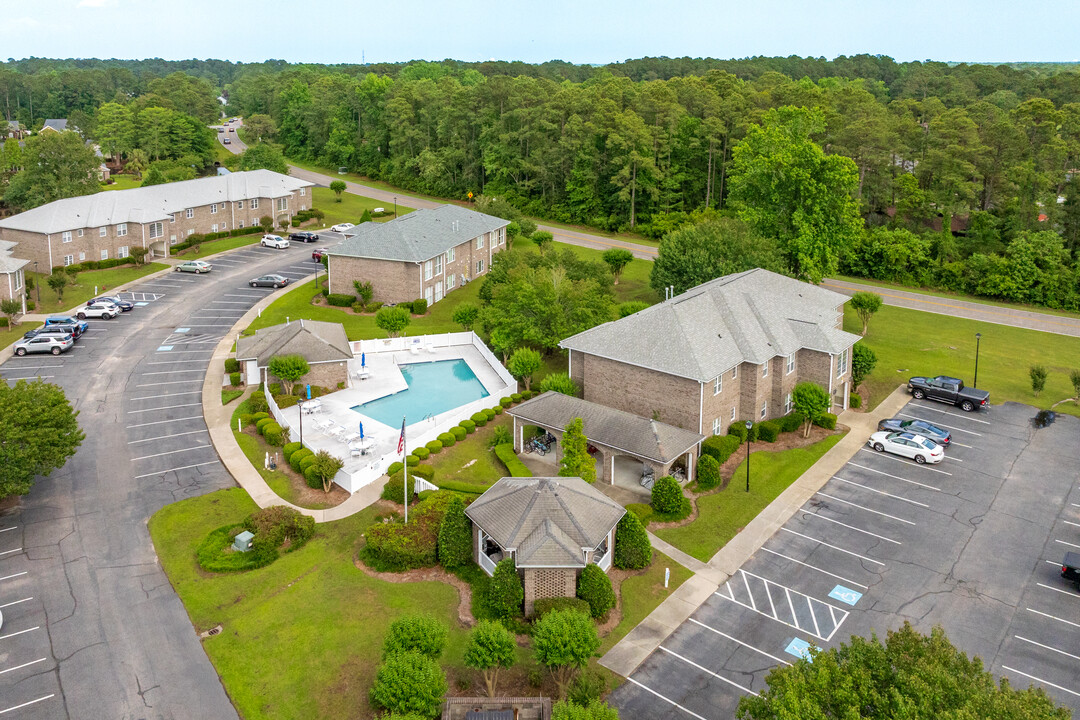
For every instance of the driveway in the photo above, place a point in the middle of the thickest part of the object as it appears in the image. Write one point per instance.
(92, 627)
(973, 544)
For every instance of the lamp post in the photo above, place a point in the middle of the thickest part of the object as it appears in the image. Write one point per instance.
(975, 382)
(395, 206)
(749, 426)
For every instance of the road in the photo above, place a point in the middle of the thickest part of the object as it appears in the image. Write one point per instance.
(92, 627)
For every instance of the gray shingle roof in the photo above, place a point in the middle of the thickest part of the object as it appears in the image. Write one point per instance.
(418, 236)
(315, 340)
(624, 431)
(9, 264)
(54, 124)
(548, 522)
(149, 204)
(747, 317)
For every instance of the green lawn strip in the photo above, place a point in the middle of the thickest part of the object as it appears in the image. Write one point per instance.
(122, 182)
(723, 514)
(213, 247)
(10, 335)
(227, 396)
(351, 207)
(935, 292)
(641, 594)
(911, 342)
(450, 463)
(106, 281)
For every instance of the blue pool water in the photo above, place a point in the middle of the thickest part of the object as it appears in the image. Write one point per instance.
(434, 388)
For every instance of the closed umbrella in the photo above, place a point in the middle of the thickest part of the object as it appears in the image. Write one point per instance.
(361, 432)
(363, 359)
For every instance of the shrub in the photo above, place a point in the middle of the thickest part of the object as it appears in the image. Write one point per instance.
(257, 403)
(394, 467)
(641, 511)
(274, 526)
(245, 419)
(340, 299)
(286, 401)
(455, 536)
(739, 430)
(479, 419)
(394, 487)
(490, 413)
(422, 453)
(412, 459)
(257, 416)
(234, 379)
(792, 421)
(528, 394)
(516, 397)
(505, 593)
(543, 607)
(708, 472)
(232, 365)
(298, 457)
(213, 554)
(501, 436)
(357, 308)
(433, 447)
(667, 496)
(458, 432)
(275, 434)
(468, 425)
(374, 306)
(311, 475)
(288, 449)
(514, 466)
(419, 307)
(506, 402)
(633, 551)
(396, 546)
(497, 410)
(559, 382)
(306, 463)
(263, 422)
(827, 421)
(630, 307)
(594, 587)
(768, 431)
(447, 439)
(409, 683)
(405, 306)
(855, 401)
(416, 633)
(583, 700)
(721, 447)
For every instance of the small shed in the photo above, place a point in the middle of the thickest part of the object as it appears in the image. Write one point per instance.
(243, 541)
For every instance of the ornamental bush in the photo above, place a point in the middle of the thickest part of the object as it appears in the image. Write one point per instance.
(394, 467)
(306, 463)
(311, 476)
(479, 419)
(340, 299)
(297, 457)
(505, 593)
(792, 421)
(277, 525)
(409, 683)
(434, 446)
(459, 432)
(489, 413)
(469, 425)
(232, 365)
(416, 633)
(288, 449)
(667, 496)
(394, 486)
(262, 422)
(855, 401)
(396, 546)
(739, 429)
(275, 434)
(234, 379)
(447, 440)
(497, 410)
(422, 453)
(419, 306)
(455, 536)
(721, 447)
(506, 402)
(286, 401)
(543, 607)
(708, 472)
(633, 551)
(827, 421)
(594, 587)
(514, 466)
(768, 431)
(516, 397)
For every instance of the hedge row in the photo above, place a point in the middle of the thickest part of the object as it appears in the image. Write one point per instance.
(396, 546)
(94, 265)
(199, 238)
(514, 466)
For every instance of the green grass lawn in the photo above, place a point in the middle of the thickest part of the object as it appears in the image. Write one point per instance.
(75, 295)
(642, 593)
(351, 207)
(634, 282)
(9, 335)
(122, 182)
(723, 514)
(450, 463)
(910, 342)
(213, 247)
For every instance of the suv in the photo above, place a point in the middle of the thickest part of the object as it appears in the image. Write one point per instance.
(102, 310)
(274, 241)
(73, 326)
(54, 331)
(124, 305)
(44, 343)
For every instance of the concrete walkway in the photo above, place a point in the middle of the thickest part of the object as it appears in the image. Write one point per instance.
(955, 307)
(640, 642)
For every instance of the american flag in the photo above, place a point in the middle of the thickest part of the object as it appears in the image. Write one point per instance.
(401, 440)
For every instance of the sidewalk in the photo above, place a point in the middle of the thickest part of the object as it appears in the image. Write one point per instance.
(640, 642)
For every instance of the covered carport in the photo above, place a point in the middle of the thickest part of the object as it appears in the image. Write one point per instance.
(626, 444)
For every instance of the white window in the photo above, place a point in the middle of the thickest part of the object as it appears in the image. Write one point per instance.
(480, 242)
(213, 228)
(438, 265)
(788, 405)
(122, 251)
(18, 279)
(764, 409)
(80, 232)
(69, 260)
(735, 372)
(102, 231)
(428, 294)
(190, 232)
(239, 204)
(172, 217)
(718, 385)
(121, 230)
(213, 208)
(254, 203)
(716, 426)
(104, 254)
(303, 207)
(841, 363)
(732, 413)
(172, 239)
(241, 225)
(282, 204)
(450, 255)
(450, 280)
(189, 213)
(791, 363)
(156, 230)
(479, 266)
(82, 256)
(66, 236)
(427, 270)
(501, 235)
(438, 291)
(765, 369)
(303, 192)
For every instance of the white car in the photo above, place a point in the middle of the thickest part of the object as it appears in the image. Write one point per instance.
(102, 310)
(274, 241)
(341, 227)
(918, 448)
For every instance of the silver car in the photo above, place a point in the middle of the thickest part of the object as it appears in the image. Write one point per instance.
(44, 344)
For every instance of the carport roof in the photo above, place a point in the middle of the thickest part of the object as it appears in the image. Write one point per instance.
(316, 341)
(632, 434)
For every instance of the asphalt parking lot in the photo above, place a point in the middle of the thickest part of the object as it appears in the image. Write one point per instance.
(92, 627)
(973, 544)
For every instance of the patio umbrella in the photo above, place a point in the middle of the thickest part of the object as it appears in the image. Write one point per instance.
(266, 461)
(363, 359)
(361, 432)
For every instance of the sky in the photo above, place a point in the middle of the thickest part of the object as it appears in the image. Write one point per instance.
(583, 32)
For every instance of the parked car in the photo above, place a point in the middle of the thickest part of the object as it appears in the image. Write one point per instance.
(274, 281)
(317, 254)
(44, 344)
(920, 427)
(196, 266)
(232, 129)
(73, 326)
(948, 389)
(1070, 568)
(54, 331)
(918, 448)
(124, 305)
(304, 236)
(226, 141)
(274, 241)
(341, 227)
(102, 311)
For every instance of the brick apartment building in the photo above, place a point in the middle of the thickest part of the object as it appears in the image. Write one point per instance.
(108, 224)
(730, 349)
(12, 278)
(425, 254)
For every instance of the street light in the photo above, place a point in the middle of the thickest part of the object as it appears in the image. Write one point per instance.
(975, 383)
(749, 426)
(395, 206)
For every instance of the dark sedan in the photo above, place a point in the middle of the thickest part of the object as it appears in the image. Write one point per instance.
(304, 236)
(919, 427)
(53, 331)
(122, 304)
(274, 281)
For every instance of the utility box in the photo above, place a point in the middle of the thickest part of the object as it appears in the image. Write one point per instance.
(242, 542)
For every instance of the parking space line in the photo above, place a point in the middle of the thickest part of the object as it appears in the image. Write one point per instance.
(876, 512)
(13, 527)
(852, 527)
(746, 583)
(1044, 682)
(916, 417)
(813, 615)
(1063, 592)
(173, 362)
(167, 407)
(9, 577)
(247, 295)
(813, 567)
(25, 704)
(176, 394)
(880, 492)
(169, 372)
(159, 422)
(951, 414)
(1071, 523)
(15, 602)
(1067, 543)
(834, 547)
(895, 477)
(1047, 647)
(21, 632)
(901, 460)
(20, 667)
(171, 452)
(969, 447)
(8, 552)
(710, 628)
(185, 467)
(162, 437)
(1052, 617)
(228, 302)
(706, 670)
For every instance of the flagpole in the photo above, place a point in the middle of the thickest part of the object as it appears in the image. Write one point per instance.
(405, 470)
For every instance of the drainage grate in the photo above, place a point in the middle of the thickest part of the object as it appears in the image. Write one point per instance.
(211, 632)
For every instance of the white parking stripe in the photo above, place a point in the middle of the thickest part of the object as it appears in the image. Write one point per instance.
(167, 407)
(162, 437)
(894, 477)
(834, 547)
(158, 422)
(852, 527)
(956, 429)
(21, 632)
(19, 667)
(244, 295)
(880, 492)
(1063, 592)
(902, 460)
(16, 602)
(173, 362)
(229, 302)
(954, 443)
(1052, 617)
(8, 552)
(185, 467)
(8, 577)
(155, 397)
(13, 527)
(647, 689)
(171, 452)
(876, 512)
(1067, 543)
(1040, 680)
(951, 414)
(739, 642)
(710, 672)
(32, 702)
(170, 372)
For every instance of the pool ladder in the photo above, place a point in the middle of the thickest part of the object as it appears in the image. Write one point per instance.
(429, 416)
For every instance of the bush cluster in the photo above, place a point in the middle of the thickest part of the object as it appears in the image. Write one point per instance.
(340, 299)
(298, 457)
(479, 419)
(516, 397)
(447, 439)
(721, 447)
(594, 587)
(395, 546)
(232, 365)
(827, 421)
(416, 633)
(514, 466)
(94, 265)
(769, 431)
(304, 215)
(543, 607)
(234, 379)
(633, 551)
(276, 526)
(667, 497)
(393, 491)
(792, 421)
(214, 555)
(738, 429)
(708, 472)
(419, 307)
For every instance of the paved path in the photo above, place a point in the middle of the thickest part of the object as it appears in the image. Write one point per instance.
(955, 307)
(640, 642)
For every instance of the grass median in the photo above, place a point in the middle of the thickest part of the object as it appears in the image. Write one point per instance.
(90, 282)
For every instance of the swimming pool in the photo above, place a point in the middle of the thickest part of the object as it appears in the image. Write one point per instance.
(434, 388)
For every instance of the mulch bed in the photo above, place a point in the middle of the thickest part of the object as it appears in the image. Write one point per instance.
(303, 495)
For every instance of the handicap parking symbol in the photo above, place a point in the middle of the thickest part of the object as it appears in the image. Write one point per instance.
(799, 648)
(845, 595)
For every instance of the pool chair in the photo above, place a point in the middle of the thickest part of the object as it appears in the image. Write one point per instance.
(323, 425)
(337, 432)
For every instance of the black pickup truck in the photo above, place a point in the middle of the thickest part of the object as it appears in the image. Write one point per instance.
(950, 390)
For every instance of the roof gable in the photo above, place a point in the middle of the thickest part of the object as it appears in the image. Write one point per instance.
(418, 236)
(314, 340)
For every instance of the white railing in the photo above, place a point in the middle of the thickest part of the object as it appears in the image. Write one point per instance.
(400, 344)
(493, 361)
(605, 562)
(487, 564)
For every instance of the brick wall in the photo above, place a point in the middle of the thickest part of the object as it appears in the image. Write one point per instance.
(719, 406)
(815, 367)
(542, 583)
(674, 400)
(393, 281)
(327, 374)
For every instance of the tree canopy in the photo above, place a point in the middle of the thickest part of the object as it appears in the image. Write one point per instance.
(264, 156)
(56, 165)
(39, 431)
(695, 254)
